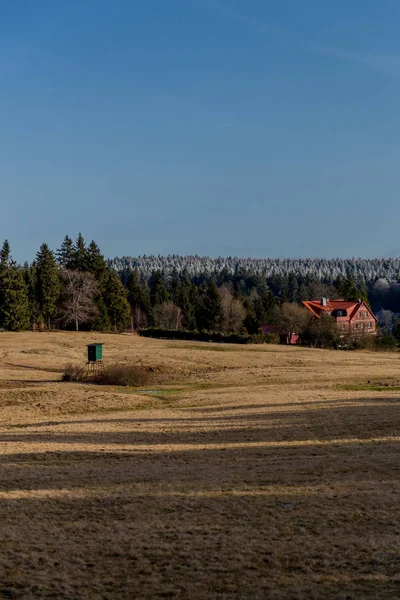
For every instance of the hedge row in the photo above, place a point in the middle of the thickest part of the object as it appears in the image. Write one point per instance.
(209, 336)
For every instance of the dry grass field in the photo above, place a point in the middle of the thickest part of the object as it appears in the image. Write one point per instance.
(256, 472)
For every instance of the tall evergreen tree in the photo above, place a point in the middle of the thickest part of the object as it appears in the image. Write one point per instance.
(65, 254)
(14, 305)
(211, 310)
(158, 291)
(80, 255)
(30, 278)
(116, 302)
(47, 283)
(186, 302)
(15, 310)
(293, 288)
(95, 261)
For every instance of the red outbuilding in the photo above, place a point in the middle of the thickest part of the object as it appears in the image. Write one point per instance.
(285, 337)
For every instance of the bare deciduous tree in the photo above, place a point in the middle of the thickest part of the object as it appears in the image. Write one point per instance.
(80, 289)
(139, 318)
(167, 316)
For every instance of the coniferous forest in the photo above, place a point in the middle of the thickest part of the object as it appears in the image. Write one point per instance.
(75, 287)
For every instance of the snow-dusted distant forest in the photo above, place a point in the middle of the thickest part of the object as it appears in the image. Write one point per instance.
(327, 270)
(286, 278)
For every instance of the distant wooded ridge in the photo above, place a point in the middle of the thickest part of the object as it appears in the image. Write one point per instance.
(325, 270)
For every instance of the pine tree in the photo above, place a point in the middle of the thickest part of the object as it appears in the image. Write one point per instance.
(134, 289)
(211, 310)
(65, 254)
(14, 305)
(293, 288)
(349, 289)
(95, 261)
(4, 265)
(174, 285)
(116, 301)
(80, 255)
(47, 283)
(146, 302)
(30, 278)
(158, 291)
(185, 302)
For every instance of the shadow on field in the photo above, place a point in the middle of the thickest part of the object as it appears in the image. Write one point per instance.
(159, 520)
(221, 413)
(371, 418)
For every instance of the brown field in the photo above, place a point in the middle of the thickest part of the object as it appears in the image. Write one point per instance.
(257, 472)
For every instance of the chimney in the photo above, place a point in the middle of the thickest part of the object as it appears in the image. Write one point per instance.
(324, 302)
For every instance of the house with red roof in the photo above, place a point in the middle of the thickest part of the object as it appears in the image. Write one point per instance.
(351, 316)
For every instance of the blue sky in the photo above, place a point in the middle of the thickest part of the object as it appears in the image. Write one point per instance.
(248, 128)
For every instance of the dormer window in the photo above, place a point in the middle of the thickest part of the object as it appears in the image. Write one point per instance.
(341, 313)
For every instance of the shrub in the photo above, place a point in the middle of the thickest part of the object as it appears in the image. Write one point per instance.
(386, 342)
(257, 338)
(126, 375)
(272, 338)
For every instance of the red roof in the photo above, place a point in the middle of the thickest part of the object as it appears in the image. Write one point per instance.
(316, 307)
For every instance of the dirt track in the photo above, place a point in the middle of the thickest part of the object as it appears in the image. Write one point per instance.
(258, 472)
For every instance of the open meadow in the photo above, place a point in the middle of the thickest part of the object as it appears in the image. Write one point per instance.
(253, 472)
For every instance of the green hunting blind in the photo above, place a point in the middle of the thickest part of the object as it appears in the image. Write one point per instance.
(95, 352)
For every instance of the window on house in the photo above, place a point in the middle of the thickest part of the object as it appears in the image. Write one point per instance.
(370, 325)
(360, 314)
(340, 313)
(356, 326)
(362, 325)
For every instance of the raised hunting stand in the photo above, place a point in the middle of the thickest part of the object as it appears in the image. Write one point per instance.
(95, 361)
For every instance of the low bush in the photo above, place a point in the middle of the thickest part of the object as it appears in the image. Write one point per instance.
(126, 375)
(258, 338)
(272, 338)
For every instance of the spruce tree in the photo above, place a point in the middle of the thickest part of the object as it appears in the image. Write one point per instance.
(15, 310)
(80, 255)
(158, 291)
(293, 288)
(47, 283)
(211, 309)
(146, 302)
(116, 302)
(185, 302)
(14, 305)
(30, 278)
(65, 254)
(4, 265)
(95, 261)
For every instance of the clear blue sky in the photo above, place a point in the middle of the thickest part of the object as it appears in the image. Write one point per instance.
(244, 127)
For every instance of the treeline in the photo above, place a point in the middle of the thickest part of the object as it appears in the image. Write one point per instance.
(73, 287)
(286, 277)
(226, 303)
